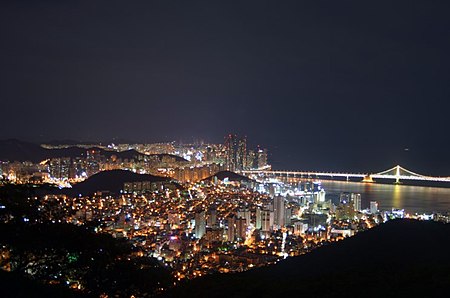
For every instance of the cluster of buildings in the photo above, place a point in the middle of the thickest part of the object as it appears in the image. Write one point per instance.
(183, 162)
(238, 158)
(76, 167)
(207, 225)
(216, 226)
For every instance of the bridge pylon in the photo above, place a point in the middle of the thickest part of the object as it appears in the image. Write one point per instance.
(368, 179)
(397, 174)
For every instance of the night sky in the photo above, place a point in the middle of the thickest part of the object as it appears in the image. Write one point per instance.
(325, 85)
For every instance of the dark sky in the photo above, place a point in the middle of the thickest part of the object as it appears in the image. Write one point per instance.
(338, 85)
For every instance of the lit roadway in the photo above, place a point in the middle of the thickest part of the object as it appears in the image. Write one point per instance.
(397, 173)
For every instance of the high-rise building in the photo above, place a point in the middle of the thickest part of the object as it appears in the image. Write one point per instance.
(238, 157)
(252, 162)
(245, 213)
(344, 198)
(241, 156)
(236, 152)
(258, 218)
(288, 216)
(319, 196)
(212, 218)
(60, 168)
(93, 159)
(373, 207)
(279, 212)
(241, 229)
(261, 158)
(256, 159)
(231, 232)
(266, 221)
(200, 224)
(231, 149)
(356, 198)
(353, 199)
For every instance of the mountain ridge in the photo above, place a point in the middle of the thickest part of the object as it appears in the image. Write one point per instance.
(17, 150)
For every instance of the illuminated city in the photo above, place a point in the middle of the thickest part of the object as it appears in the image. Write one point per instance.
(200, 218)
(224, 148)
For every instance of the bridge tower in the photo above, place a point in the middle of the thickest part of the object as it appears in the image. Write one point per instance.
(368, 179)
(397, 174)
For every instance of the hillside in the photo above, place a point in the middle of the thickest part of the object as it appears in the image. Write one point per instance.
(232, 176)
(400, 258)
(111, 181)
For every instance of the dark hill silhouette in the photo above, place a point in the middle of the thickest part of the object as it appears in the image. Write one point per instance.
(232, 176)
(69, 142)
(127, 154)
(16, 150)
(81, 152)
(111, 181)
(398, 259)
(67, 152)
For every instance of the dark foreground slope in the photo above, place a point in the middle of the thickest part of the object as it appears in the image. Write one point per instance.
(15, 285)
(398, 259)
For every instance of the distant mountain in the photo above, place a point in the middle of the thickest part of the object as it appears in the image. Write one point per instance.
(111, 181)
(402, 258)
(232, 176)
(16, 150)
(69, 142)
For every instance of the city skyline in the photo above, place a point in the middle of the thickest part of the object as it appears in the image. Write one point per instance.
(256, 157)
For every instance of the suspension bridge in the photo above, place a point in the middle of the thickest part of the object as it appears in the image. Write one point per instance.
(396, 173)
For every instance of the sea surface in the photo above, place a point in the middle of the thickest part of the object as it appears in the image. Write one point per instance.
(414, 199)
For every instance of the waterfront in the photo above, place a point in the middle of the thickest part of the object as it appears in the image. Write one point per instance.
(420, 199)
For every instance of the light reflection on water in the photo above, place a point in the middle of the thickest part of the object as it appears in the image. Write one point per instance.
(411, 198)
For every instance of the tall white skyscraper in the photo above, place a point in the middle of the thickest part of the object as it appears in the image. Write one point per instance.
(279, 212)
(356, 198)
(258, 218)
